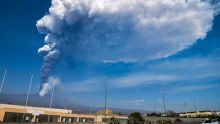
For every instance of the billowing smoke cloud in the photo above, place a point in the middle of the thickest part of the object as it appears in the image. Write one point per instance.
(121, 30)
(46, 87)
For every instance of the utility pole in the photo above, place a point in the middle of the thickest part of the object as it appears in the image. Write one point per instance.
(51, 99)
(3, 80)
(26, 102)
(105, 97)
(164, 103)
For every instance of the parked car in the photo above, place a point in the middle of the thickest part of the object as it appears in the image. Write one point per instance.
(210, 121)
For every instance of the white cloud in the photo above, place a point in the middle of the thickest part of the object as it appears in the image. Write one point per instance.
(187, 72)
(192, 88)
(143, 78)
(88, 85)
(131, 80)
(188, 69)
(135, 102)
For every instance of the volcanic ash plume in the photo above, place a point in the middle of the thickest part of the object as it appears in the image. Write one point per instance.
(47, 86)
(120, 30)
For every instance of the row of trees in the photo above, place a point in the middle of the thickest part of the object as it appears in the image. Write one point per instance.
(134, 118)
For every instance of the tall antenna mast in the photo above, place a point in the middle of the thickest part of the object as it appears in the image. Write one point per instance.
(154, 108)
(194, 103)
(3, 80)
(164, 103)
(185, 107)
(105, 97)
(51, 100)
(26, 102)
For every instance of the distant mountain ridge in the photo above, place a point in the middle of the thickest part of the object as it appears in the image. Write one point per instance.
(36, 100)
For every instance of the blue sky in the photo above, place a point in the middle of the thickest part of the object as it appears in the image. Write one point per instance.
(187, 75)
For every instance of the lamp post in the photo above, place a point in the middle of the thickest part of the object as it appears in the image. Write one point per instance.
(28, 93)
(51, 99)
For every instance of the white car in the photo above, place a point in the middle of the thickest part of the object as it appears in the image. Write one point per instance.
(210, 121)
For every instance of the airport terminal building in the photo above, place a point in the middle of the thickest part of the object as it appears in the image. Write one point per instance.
(17, 113)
